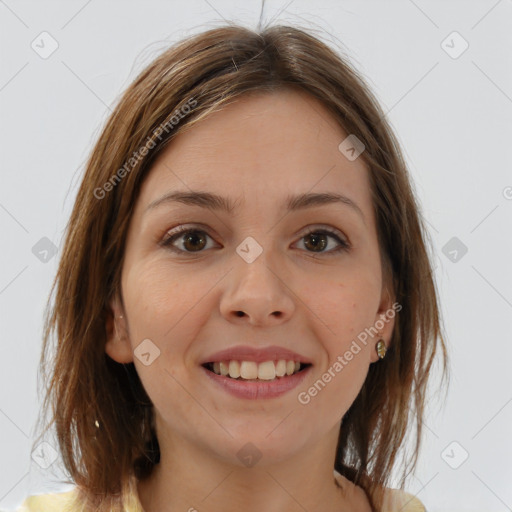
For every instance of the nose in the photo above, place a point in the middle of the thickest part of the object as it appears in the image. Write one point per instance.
(257, 293)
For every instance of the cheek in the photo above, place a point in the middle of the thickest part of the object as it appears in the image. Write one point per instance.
(344, 305)
(347, 382)
(163, 307)
(335, 386)
(164, 317)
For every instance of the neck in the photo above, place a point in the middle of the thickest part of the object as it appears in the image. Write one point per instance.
(188, 478)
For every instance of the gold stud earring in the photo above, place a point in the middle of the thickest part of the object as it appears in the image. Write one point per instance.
(380, 346)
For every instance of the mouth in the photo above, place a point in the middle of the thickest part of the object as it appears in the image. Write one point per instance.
(252, 371)
(256, 381)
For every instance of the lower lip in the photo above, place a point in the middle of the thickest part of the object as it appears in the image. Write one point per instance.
(255, 390)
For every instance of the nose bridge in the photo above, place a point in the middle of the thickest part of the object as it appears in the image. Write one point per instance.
(255, 287)
(254, 262)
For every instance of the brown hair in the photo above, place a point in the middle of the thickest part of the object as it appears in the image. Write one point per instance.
(87, 386)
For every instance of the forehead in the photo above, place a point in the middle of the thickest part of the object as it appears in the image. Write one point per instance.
(259, 149)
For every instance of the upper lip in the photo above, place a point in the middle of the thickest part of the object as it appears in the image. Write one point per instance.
(258, 355)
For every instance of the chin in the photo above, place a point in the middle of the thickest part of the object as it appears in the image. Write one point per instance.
(256, 448)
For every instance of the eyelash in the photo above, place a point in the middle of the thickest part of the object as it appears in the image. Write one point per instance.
(182, 230)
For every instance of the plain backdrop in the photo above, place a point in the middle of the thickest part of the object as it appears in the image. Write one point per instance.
(441, 70)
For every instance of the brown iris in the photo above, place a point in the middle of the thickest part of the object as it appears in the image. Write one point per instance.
(319, 241)
(197, 241)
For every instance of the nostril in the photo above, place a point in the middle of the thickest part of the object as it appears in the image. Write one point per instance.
(239, 313)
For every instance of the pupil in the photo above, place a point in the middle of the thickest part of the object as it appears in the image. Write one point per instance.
(190, 237)
(318, 240)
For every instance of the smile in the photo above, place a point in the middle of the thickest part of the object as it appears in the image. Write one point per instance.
(251, 370)
(256, 388)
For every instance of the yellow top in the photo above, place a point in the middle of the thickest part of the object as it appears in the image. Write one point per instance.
(394, 501)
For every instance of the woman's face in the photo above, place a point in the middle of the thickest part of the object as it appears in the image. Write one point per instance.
(252, 276)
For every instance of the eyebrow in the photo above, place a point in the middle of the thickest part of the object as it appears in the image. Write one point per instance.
(216, 202)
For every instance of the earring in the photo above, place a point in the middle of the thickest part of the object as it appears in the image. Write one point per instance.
(115, 327)
(380, 346)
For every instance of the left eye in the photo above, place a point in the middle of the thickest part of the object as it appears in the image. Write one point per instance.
(318, 239)
(195, 240)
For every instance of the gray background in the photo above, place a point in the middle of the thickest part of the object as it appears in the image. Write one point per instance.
(452, 114)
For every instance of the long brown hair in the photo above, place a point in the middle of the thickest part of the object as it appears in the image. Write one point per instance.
(86, 388)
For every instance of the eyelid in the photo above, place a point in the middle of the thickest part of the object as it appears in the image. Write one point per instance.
(313, 228)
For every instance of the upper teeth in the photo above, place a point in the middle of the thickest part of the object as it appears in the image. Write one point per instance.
(267, 370)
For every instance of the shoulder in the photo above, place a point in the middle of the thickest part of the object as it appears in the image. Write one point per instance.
(394, 500)
(68, 501)
(51, 502)
(397, 500)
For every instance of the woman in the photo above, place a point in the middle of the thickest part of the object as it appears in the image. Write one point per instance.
(237, 309)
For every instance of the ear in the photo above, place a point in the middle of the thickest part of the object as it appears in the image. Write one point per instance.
(384, 320)
(118, 345)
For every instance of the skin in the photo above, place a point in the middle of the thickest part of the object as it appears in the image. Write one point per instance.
(256, 151)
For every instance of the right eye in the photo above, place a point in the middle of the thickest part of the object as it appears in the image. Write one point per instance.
(191, 239)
